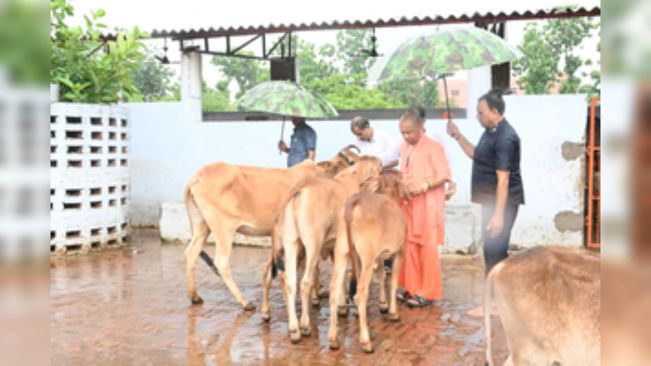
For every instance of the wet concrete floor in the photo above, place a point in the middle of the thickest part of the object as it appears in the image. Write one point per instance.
(129, 307)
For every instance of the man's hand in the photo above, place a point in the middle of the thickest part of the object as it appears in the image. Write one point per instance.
(495, 225)
(453, 130)
(282, 146)
(415, 192)
(420, 190)
(452, 189)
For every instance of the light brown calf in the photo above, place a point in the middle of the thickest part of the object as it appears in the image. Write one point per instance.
(223, 199)
(370, 228)
(309, 218)
(549, 302)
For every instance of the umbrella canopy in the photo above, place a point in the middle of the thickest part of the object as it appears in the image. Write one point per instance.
(287, 99)
(442, 51)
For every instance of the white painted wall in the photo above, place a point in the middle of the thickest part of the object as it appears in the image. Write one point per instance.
(167, 149)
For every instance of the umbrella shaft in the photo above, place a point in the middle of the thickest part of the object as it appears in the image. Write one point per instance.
(447, 101)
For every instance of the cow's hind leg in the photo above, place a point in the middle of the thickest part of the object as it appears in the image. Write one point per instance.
(336, 293)
(311, 258)
(361, 300)
(315, 297)
(200, 232)
(291, 254)
(393, 287)
(266, 284)
(381, 280)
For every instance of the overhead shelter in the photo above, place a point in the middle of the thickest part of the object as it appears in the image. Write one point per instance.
(275, 43)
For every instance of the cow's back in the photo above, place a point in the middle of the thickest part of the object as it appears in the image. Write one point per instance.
(550, 296)
(250, 195)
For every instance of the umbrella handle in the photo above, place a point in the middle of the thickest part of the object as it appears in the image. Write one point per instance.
(447, 101)
(282, 134)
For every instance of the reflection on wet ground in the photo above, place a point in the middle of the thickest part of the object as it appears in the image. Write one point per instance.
(129, 307)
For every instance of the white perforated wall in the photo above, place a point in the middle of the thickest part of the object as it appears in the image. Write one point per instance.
(89, 180)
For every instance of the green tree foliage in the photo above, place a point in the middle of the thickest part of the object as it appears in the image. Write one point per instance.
(246, 72)
(312, 65)
(153, 80)
(407, 93)
(564, 36)
(87, 69)
(594, 88)
(24, 45)
(550, 56)
(350, 42)
(350, 93)
(537, 70)
(217, 99)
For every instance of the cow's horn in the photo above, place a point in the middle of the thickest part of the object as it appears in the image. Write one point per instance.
(351, 146)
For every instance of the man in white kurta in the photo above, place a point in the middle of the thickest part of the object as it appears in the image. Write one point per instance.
(370, 141)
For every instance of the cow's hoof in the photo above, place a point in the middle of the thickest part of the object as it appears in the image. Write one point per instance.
(196, 300)
(333, 344)
(324, 294)
(394, 318)
(306, 332)
(266, 317)
(295, 336)
(343, 311)
(367, 347)
(384, 308)
(249, 306)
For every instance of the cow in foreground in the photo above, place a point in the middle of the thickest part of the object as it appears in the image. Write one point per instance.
(370, 228)
(549, 302)
(224, 199)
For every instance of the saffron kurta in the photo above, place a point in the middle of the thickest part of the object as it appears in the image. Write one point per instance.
(421, 270)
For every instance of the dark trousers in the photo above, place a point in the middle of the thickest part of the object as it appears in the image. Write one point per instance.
(496, 249)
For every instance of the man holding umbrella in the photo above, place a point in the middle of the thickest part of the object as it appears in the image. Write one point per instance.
(302, 145)
(286, 98)
(496, 180)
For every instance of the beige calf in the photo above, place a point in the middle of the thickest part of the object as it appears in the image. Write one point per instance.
(371, 228)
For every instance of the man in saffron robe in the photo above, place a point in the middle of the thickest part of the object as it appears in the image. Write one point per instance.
(425, 171)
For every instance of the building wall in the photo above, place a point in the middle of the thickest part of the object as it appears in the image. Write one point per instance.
(166, 150)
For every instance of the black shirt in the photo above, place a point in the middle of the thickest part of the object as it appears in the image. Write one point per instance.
(498, 149)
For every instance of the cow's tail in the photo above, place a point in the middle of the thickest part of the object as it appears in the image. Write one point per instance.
(488, 296)
(274, 240)
(277, 262)
(190, 207)
(348, 219)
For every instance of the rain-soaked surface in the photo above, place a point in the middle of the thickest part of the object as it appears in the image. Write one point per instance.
(129, 307)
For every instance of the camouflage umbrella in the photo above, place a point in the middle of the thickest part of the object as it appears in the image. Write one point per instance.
(286, 99)
(436, 53)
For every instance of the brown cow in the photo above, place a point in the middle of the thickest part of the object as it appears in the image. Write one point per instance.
(224, 199)
(308, 218)
(549, 302)
(370, 229)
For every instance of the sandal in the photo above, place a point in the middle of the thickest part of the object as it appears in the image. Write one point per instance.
(403, 296)
(418, 302)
